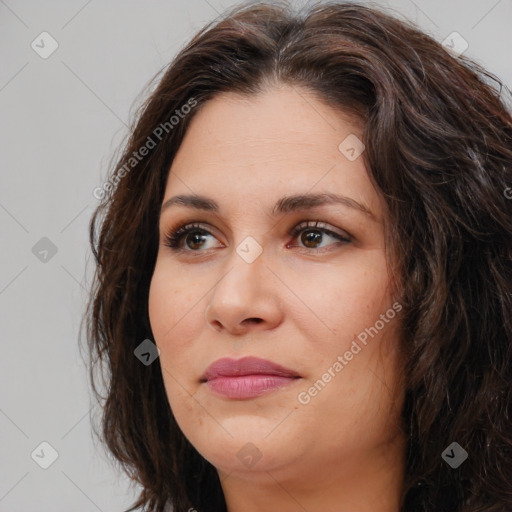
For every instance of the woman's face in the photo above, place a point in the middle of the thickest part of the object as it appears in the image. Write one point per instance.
(316, 301)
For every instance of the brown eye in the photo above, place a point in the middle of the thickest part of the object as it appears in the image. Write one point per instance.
(312, 234)
(190, 237)
(194, 239)
(311, 237)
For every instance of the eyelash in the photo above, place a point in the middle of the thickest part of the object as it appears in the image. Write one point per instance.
(174, 237)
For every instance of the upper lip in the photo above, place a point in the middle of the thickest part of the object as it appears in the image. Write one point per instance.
(227, 367)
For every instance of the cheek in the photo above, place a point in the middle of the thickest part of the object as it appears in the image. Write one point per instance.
(176, 308)
(346, 298)
(171, 301)
(170, 304)
(356, 309)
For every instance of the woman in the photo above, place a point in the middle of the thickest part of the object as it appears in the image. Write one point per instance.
(304, 279)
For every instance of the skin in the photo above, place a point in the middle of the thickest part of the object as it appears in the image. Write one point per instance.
(344, 450)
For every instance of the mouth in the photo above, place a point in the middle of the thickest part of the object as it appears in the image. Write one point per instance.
(246, 378)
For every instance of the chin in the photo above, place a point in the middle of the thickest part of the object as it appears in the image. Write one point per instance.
(247, 449)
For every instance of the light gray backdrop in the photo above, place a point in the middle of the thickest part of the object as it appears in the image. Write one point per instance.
(63, 111)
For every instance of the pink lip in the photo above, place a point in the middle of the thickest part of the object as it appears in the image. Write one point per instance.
(245, 378)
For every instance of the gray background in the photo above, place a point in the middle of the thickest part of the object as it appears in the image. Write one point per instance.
(62, 118)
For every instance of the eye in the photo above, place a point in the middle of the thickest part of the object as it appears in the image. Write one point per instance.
(193, 237)
(314, 232)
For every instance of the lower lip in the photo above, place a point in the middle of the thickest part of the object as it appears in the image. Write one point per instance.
(247, 386)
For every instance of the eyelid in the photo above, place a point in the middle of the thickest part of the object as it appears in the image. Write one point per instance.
(181, 230)
(175, 235)
(321, 226)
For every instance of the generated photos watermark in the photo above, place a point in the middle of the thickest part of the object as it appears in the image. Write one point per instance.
(151, 142)
(304, 397)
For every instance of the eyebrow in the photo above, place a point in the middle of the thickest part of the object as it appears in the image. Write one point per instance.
(287, 204)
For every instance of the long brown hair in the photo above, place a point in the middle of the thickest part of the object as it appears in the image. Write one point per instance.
(438, 142)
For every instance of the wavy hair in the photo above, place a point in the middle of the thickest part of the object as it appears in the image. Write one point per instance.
(438, 138)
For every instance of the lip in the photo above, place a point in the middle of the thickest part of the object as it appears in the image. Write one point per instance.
(245, 378)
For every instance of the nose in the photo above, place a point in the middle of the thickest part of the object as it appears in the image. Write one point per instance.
(245, 298)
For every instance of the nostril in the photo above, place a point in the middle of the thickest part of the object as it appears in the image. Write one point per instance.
(215, 325)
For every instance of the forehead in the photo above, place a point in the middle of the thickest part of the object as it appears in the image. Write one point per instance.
(285, 121)
(279, 141)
